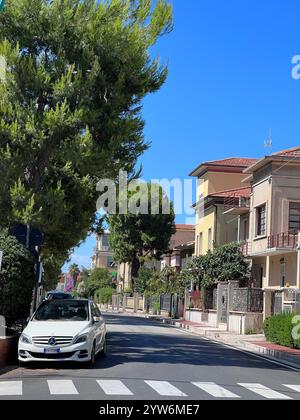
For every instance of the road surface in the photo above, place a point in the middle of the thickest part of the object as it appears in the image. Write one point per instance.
(150, 361)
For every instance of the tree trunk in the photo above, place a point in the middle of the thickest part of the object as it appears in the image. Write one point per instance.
(135, 270)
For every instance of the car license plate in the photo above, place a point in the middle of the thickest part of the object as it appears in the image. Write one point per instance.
(51, 351)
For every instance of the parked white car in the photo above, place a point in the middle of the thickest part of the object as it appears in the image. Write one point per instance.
(63, 330)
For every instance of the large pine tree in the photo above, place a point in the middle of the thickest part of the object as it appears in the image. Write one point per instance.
(70, 107)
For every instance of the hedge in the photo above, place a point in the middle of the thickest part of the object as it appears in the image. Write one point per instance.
(104, 295)
(279, 330)
(16, 279)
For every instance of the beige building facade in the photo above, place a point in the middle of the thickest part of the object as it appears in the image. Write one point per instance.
(273, 217)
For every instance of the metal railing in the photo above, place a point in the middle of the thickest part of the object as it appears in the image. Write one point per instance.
(284, 240)
(236, 202)
(246, 249)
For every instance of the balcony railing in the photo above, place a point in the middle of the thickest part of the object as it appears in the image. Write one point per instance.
(236, 203)
(286, 240)
(246, 249)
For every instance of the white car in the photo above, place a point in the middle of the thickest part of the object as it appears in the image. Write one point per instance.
(63, 330)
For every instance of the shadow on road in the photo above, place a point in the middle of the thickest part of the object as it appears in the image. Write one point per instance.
(175, 349)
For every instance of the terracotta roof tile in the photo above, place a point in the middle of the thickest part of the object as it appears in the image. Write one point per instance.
(293, 152)
(185, 227)
(240, 162)
(234, 192)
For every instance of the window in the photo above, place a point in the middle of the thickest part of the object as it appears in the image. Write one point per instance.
(200, 247)
(110, 261)
(245, 230)
(294, 217)
(261, 218)
(105, 242)
(209, 239)
(62, 310)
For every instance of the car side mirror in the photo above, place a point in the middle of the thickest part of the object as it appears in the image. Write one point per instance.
(96, 319)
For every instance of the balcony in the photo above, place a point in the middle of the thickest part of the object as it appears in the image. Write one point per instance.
(246, 249)
(286, 240)
(237, 205)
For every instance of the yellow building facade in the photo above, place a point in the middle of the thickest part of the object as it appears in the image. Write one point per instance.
(216, 181)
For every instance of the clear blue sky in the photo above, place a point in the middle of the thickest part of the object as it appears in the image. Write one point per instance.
(229, 83)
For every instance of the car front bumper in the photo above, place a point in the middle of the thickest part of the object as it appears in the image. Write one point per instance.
(73, 353)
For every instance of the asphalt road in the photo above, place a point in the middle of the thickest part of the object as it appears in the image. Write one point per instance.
(150, 361)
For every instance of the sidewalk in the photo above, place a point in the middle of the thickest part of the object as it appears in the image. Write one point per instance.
(252, 343)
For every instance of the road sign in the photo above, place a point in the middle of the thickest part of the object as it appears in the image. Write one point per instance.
(28, 236)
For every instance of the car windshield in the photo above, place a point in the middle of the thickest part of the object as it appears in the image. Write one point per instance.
(62, 311)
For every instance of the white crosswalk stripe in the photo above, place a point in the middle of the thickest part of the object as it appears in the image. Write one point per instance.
(165, 389)
(62, 387)
(215, 390)
(265, 391)
(113, 387)
(11, 388)
(293, 387)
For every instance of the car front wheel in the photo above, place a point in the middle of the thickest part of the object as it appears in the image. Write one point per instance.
(91, 363)
(104, 350)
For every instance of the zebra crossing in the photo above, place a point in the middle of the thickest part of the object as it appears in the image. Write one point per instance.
(118, 388)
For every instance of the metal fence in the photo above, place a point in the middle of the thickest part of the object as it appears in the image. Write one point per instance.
(287, 300)
(247, 300)
(210, 299)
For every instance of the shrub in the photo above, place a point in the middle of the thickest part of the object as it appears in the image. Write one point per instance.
(278, 330)
(16, 279)
(104, 295)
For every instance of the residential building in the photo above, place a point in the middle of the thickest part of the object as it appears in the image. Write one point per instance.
(217, 181)
(182, 247)
(271, 212)
(104, 256)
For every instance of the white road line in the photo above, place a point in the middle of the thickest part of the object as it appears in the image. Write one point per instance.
(112, 387)
(293, 387)
(265, 392)
(62, 387)
(165, 388)
(215, 390)
(11, 388)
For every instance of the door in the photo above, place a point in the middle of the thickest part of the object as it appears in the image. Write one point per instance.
(99, 328)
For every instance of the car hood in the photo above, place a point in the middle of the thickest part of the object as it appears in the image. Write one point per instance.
(55, 329)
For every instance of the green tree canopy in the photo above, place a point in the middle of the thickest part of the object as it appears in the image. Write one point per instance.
(70, 108)
(99, 279)
(224, 263)
(135, 236)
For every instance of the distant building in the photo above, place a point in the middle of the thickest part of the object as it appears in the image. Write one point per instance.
(104, 256)
(182, 248)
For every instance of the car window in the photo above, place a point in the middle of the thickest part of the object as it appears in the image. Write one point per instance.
(60, 310)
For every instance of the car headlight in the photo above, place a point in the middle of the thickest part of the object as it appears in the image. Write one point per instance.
(25, 339)
(81, 339)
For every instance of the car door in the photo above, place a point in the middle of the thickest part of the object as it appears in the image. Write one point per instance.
(98, 327)
(101, 326)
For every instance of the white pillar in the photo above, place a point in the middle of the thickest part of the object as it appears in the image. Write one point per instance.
(298, 263)
(268, 271)
(239, 229)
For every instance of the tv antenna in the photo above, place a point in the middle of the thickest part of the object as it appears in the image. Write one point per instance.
(269, 143)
